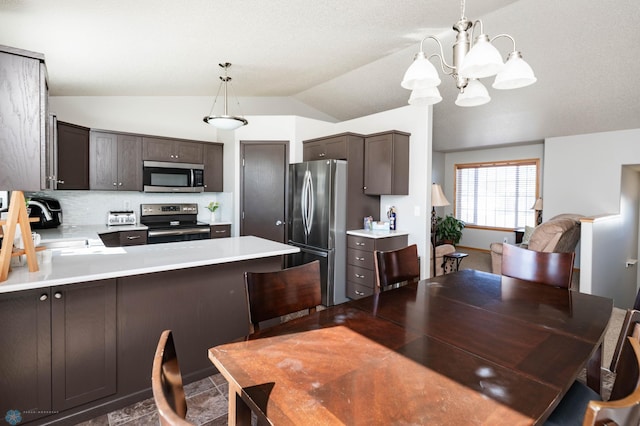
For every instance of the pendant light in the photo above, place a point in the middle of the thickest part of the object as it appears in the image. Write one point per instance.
(225, 121)
(471, 61)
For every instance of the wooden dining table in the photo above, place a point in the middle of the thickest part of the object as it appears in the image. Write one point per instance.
(463, 348)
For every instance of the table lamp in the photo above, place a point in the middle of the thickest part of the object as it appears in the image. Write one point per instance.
(537, 206)
(437, 200)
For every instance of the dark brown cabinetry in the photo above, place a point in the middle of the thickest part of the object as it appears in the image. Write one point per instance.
(350, 147)
(386, 169)
(72, 156)
(361, 280)
(115, 161)
(333, 147)
(23, 131)
(213, 167)
(171, 150)
(124, 238)
(220, 231)
(59, 347)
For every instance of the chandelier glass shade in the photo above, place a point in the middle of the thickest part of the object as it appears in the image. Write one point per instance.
(471, 62)
(224, 121)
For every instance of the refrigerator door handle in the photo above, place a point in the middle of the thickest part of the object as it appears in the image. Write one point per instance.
(311, 203)
(303, 203)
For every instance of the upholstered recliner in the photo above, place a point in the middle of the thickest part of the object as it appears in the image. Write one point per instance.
(560, 234)
(441, 250)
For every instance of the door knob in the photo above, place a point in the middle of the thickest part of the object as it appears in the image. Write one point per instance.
(279, 222)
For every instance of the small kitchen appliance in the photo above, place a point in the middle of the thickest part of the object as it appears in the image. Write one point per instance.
(121, 217)
(48, 212)
(173, 222)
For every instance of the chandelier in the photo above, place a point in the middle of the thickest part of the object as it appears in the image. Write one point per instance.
(471, 62)
(224, 121)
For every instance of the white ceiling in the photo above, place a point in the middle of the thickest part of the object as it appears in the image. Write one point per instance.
(344, 58)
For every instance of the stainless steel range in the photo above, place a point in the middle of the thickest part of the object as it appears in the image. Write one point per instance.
(173, 222)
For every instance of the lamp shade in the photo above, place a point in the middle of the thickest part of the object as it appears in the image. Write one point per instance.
(225, 122)
(420, 74)
(428, 96)
(473, 95)
(515, 74)
(437, 196)
(483, 60)
(537, 205)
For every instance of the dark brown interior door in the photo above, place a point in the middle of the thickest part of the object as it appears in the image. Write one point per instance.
(263, 186)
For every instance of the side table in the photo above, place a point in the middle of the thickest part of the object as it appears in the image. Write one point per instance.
(451, 261)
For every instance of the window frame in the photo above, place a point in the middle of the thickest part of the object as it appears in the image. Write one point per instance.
(487, 164)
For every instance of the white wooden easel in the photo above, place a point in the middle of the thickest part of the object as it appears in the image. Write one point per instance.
(17, 215)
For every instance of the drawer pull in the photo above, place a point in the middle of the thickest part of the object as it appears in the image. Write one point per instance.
(133, 237)
(359, 293)
(359, 276)
(361, 259)
(358, 243)
(220, 232)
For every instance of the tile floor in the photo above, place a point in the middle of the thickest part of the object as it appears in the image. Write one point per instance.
(206, 406)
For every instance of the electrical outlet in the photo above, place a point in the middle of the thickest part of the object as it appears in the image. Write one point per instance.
(504, 240)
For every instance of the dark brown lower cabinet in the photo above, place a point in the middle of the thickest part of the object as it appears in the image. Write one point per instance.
(59, 348)
(74, 352)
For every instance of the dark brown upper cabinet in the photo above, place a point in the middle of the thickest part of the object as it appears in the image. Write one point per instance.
(213, 167)
(386, 167)
(115, 161)
(171, 150)
(333, 147)
(73, 156)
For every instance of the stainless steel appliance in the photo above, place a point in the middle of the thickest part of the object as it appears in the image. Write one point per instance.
(122, 217)
(317, 221)
(48, 212)
(173, 222)
(159, 176)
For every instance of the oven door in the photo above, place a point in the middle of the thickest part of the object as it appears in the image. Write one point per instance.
(156, 236)
(158, 176)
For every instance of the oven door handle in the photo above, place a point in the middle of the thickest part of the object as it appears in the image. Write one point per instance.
(161, 233)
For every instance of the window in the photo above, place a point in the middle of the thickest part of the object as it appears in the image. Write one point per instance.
(497, 194)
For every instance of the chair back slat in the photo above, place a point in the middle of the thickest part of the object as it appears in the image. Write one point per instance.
(396, 266)
(554, 269)
(624, 406)
(274, 294)
(631, 318)
(166, 383)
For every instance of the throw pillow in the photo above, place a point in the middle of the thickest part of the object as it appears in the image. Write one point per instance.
(528, 230)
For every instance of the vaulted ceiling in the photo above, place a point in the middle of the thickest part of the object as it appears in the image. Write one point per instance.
(343, 58)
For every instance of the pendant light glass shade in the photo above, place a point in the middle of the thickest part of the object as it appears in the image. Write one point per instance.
(420, 74)
(515, 74)
(428, 96)
(474, 94)
(483, 60)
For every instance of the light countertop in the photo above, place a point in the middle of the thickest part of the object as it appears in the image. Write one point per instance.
(73, 265)
(366, 233)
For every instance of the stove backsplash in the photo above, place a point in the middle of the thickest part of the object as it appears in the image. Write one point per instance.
(92, 207)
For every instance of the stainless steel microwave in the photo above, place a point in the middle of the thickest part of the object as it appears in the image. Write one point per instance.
(159, 176)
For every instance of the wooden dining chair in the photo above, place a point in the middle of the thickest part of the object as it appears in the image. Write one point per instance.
(580, 403)
(554, 269)
(631, 318)
(166, 383)
(275, 294)
(396, 267)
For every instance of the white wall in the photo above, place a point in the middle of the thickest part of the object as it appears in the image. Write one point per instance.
(482, 238)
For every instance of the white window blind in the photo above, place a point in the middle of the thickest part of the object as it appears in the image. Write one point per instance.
(497, 195)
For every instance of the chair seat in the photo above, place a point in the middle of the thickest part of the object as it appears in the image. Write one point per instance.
(571, 409)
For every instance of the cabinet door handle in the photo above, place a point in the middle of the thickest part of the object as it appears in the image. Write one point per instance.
(359, 293)
(359, 276)
(119, 183)
(57, 295)
(361, 259)
(60, 182)
(115, 184)
(358, 243)
(43, 297)
(133, 237)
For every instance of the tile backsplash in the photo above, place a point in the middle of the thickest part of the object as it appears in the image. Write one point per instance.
(92, 207)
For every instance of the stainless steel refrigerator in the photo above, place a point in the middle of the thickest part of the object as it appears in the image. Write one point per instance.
(317, 222)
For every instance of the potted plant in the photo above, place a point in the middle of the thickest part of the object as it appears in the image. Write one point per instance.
(212, 207)
(449, 229)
